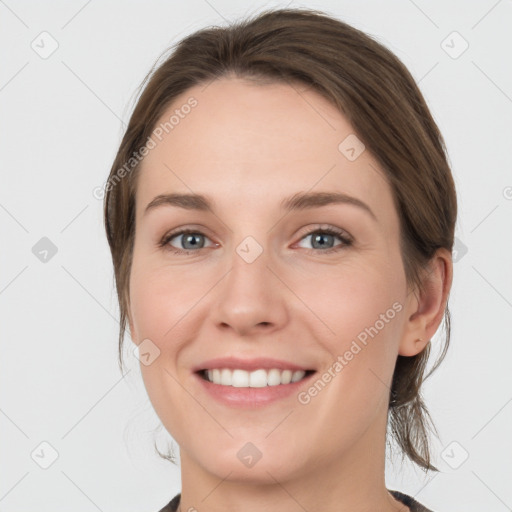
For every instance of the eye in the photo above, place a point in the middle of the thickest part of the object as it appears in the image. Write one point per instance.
(190, 240)
(187, 238)
(324, 238)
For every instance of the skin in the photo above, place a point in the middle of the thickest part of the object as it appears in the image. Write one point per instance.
(248, 146)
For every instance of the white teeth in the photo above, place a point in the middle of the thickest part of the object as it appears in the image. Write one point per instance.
(258, 379)
(255, 379)
(297, 376)
(273, 378)
(286, 377)
(239, 379)
(225, 377)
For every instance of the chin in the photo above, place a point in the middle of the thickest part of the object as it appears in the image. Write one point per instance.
(256, 462)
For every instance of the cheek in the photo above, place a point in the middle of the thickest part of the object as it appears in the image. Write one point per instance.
(362, 308)
(352, 299)
(160, 296)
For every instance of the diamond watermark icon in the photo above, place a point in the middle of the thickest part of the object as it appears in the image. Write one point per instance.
(44, 250)
(351, 147)
(454, 45)
(249, 455)
(44, 455)
(44, 45)
(455, 455)
(249, 249)
(146, 352)
(460, 249)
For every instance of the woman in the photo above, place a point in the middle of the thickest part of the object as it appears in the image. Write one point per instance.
(281, 218)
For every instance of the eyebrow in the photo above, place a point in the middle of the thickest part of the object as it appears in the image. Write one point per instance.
(299, 201)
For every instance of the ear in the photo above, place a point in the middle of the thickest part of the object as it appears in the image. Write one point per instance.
(425, 309)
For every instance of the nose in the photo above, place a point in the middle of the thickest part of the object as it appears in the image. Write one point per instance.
(251, 297)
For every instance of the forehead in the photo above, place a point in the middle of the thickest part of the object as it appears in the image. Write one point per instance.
(254, 144)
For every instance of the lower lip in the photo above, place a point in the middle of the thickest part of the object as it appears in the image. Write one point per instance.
(251, 397)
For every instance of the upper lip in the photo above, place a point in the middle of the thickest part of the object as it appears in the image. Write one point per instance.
(248, 364)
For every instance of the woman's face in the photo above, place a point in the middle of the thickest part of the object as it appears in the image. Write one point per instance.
(263, 285)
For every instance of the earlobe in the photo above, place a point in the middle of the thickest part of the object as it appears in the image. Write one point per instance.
(427, 310)
(413, 347)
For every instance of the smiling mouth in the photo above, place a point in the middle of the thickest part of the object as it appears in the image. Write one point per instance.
(254, 379)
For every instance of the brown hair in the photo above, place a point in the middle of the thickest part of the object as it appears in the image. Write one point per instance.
(380, 99)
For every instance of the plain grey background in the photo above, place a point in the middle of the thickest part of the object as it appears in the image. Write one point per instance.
(68, 77)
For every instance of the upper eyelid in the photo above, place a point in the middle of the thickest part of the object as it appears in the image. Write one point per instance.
(326, 227)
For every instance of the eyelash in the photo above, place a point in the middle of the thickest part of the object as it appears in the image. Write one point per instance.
(164, 242)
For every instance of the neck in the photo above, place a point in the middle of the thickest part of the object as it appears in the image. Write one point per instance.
(351, 481)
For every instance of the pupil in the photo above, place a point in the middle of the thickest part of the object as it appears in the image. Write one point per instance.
(320, 237)
(190, 239)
